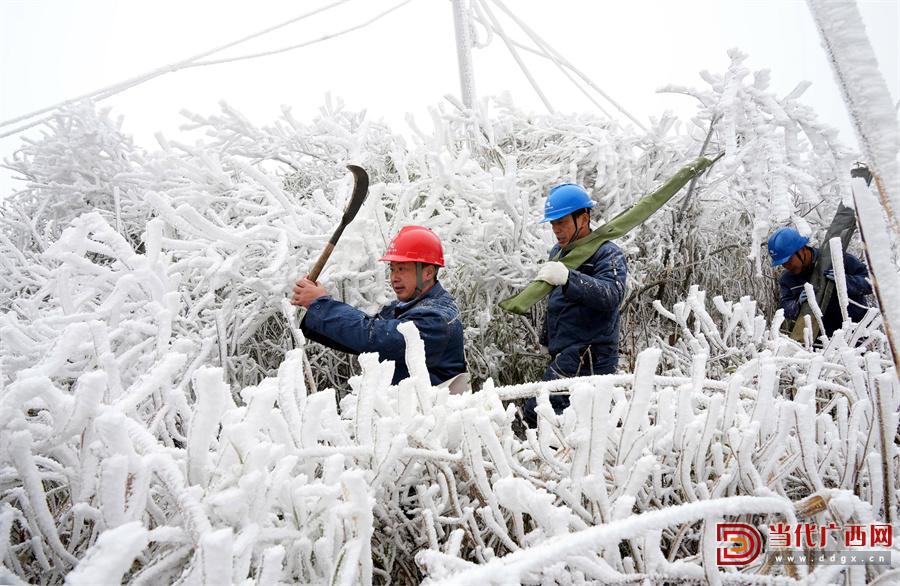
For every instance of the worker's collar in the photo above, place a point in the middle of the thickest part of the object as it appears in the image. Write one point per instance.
(812, 263)
(432, 291)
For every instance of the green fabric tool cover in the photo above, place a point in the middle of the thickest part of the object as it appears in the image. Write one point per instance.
(578, 252)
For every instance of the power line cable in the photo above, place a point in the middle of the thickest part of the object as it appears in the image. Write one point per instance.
(304, 44)
(541, 52)
(499, 30)
(129, 83)
(537, 39)
(481, 19)
(568, 75)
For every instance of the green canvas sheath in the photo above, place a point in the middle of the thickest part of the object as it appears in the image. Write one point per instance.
(578, 252)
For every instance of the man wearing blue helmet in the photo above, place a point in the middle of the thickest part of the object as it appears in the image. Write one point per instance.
(789, 249)
(581, 329)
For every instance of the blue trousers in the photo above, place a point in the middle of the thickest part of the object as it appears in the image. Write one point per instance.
(570, 365)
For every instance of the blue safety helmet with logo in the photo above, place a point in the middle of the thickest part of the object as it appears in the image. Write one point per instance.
(564, 199)
(784, 243)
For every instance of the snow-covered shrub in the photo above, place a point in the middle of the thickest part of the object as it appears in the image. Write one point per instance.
(781, 166)
(82, 162)
(246, 209)
(407, 482)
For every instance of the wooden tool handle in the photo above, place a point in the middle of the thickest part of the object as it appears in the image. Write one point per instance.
(320, 264)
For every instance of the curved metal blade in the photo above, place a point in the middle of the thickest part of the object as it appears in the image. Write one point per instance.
(360, 191)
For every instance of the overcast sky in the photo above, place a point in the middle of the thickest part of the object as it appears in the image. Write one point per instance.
(53, 50)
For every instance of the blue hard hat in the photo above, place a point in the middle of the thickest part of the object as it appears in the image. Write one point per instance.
(784, 243)
(565, 199)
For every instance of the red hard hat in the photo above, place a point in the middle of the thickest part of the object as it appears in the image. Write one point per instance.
(415, 244)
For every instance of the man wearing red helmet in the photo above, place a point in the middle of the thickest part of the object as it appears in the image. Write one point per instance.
(414, 255)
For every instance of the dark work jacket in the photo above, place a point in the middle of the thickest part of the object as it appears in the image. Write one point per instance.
(345, 328)
(581, 330)
(857, 289)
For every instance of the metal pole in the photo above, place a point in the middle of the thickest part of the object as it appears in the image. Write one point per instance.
(464, 51)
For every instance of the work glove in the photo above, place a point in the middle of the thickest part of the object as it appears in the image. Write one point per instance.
(829, 274)
(802, 299)
(553, 272)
